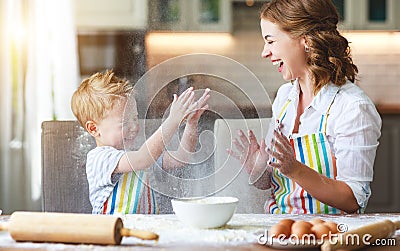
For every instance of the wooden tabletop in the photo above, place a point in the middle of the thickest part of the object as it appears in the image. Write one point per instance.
(242, 232)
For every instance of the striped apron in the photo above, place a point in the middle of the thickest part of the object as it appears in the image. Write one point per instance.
(312, 150)
(131, 195)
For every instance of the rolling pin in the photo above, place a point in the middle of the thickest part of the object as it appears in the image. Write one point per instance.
(70, 228)
(378, 230)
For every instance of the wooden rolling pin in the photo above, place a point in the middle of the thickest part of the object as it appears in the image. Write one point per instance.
(70, 228)
(379, 230)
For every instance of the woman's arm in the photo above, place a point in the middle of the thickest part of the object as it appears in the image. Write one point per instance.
(182, 156)
(331, 192)
(264, 181)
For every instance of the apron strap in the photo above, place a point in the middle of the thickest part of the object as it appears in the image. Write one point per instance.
(324, 117)
(283, 111)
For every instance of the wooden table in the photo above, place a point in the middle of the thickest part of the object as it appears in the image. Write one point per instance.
(241, 233)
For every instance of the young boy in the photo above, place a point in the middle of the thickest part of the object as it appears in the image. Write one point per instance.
(117, 177)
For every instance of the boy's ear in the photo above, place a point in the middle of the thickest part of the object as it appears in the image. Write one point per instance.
(91, 127)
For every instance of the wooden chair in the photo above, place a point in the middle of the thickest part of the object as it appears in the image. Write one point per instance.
(64, 184)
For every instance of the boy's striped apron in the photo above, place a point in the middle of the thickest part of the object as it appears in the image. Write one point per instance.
(131, 195)
(313, 150)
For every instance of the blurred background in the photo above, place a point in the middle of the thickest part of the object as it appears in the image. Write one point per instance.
(48, 47)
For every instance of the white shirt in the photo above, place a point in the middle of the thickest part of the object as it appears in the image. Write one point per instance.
(100, 165)
(353, 129)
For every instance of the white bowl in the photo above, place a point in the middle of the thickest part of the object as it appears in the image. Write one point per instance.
(211, 212)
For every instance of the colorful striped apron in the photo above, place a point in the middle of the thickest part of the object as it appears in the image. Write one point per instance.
(313, 150)
(131, 195)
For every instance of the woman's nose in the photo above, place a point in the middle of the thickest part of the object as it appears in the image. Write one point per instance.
(265, 52)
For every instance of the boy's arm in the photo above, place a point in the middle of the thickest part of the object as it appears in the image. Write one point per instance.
(188, 143)
(151, 150)
(185, 150)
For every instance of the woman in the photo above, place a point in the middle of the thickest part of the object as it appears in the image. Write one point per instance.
(321, 156)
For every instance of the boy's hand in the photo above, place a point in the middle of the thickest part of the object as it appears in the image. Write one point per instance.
(183, 105)
(201, 106)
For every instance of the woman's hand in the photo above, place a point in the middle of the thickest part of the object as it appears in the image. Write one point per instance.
(285, 159)
(251, 154)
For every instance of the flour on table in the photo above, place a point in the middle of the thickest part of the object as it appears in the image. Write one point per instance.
(241, 229)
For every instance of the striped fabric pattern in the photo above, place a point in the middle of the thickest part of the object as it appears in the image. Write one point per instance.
(313, 150)
(131, 195)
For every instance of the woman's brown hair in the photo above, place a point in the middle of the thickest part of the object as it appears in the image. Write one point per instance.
(329, 57)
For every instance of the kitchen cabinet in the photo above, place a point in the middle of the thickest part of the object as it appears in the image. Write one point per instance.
(368, 14)
(194, 15)
(122, 51)
(385, 186)
(110, 15)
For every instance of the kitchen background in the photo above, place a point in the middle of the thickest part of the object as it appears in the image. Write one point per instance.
(45, 56)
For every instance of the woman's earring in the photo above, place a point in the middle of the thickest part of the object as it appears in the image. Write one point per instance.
(306, 48)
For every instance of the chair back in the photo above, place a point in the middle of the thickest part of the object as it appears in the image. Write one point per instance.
(64, 184)
(230, 176)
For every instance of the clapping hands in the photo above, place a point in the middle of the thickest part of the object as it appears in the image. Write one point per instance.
(283, 154)
(184, 106)
(258, 157)
(251, 154)
(201, 106)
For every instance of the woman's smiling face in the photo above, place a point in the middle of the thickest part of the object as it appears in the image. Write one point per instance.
(287, 53)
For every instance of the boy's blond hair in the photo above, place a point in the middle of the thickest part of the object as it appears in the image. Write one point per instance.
(96, 96)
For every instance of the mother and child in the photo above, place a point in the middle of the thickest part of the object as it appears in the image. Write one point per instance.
(321, 154)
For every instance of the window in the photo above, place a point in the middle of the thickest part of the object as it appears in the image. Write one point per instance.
(377, 10)
(169, 11)
(190, 15)
(209, 11)
(340, 8)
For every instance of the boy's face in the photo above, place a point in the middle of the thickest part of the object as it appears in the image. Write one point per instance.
(116, 130)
